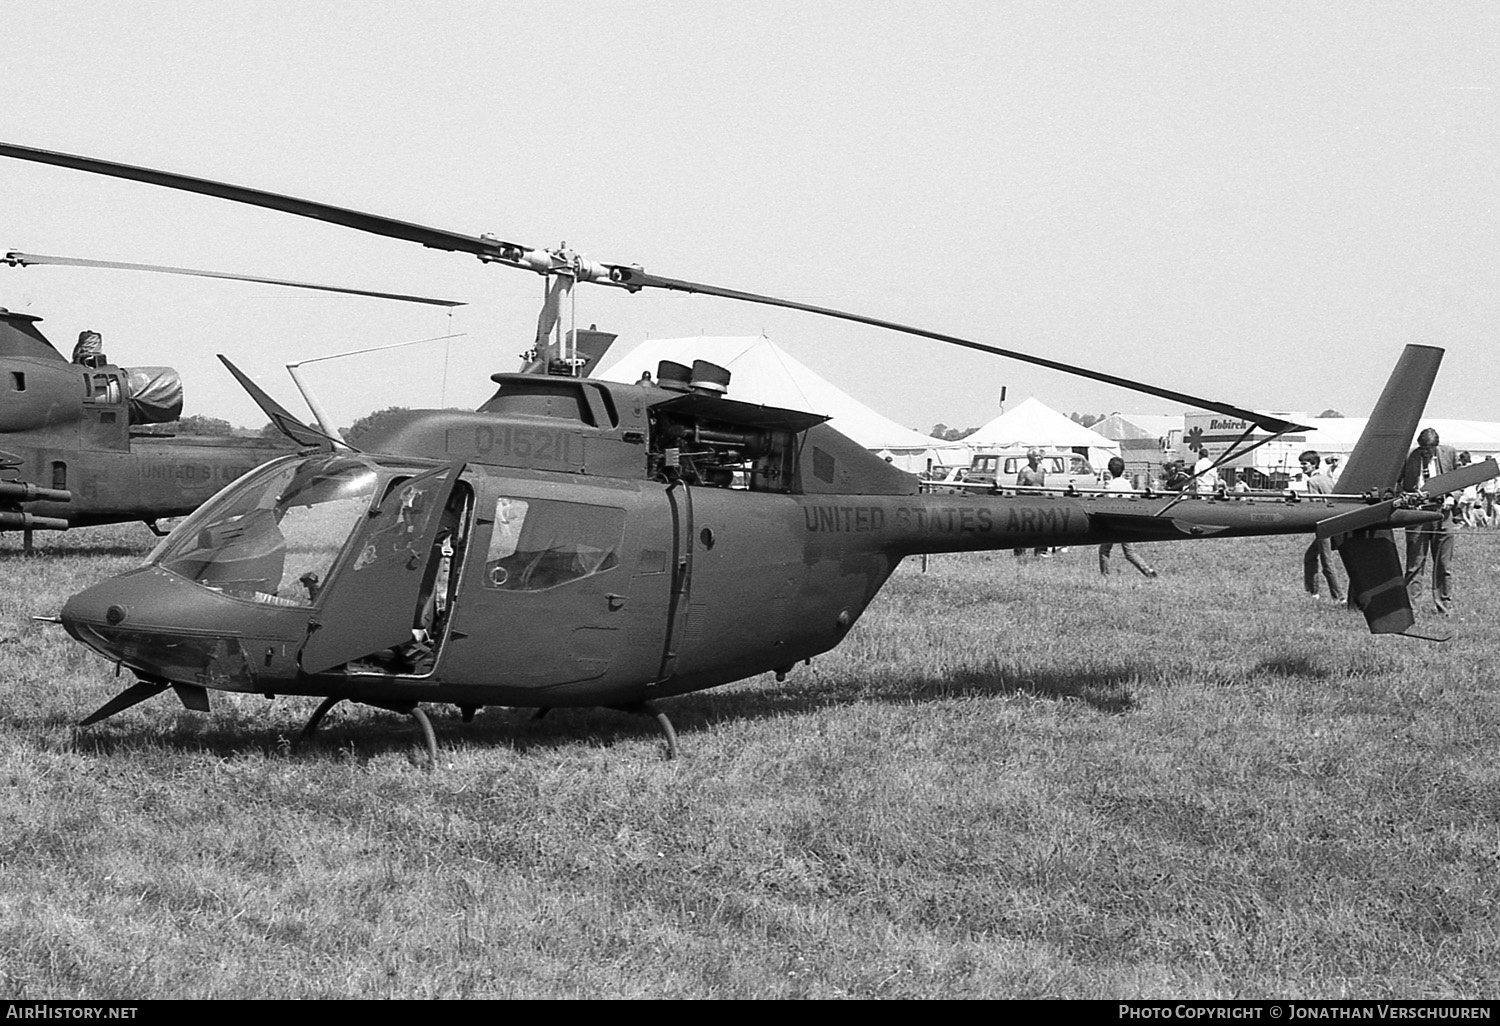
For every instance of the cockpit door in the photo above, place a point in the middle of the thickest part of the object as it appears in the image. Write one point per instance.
(374, 597)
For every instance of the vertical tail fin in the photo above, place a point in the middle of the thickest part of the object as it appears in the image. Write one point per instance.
(1375, 463)
(1376, 584)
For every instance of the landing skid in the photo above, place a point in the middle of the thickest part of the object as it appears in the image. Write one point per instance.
(647, 709)
(412, 709)
(429, 736)
(639, 709)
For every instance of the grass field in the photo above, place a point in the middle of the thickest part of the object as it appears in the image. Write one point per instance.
(1015, 779)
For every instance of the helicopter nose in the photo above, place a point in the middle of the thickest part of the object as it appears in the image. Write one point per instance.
(163, 626)
(91, 615)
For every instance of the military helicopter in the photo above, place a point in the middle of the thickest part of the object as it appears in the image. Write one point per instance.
(77, 450)
(78, 446)
(578, 542)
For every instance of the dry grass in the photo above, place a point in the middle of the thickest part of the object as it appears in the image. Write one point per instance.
(1016, 779)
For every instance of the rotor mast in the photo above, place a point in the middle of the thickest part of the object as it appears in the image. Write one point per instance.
(555, 350)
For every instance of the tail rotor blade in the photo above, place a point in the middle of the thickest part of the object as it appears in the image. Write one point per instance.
(1357, 519)
(1463, 477)
(1380, 512)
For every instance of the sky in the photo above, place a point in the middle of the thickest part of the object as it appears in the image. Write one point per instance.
(1255, 202)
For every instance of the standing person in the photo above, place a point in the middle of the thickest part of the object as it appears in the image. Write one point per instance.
(1428, 460)
(1033, 475)
(1029, 478)
(1118, 484)
(1319, 555)
(1205, 477)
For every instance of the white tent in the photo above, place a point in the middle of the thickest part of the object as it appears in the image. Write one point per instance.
(763, 373)
(1035, 424)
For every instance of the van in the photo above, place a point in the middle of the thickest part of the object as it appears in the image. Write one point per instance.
(999, 470)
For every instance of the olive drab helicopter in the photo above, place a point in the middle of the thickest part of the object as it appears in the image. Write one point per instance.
(579, 542)
(81, 442)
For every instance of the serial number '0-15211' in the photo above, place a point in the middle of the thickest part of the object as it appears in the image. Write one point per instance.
(534, 445)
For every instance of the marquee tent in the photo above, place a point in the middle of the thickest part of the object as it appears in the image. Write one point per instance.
(1035, 424)
(764, 373)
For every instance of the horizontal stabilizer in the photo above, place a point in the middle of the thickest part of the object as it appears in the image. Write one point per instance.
(1376, 584)
(1146, 527)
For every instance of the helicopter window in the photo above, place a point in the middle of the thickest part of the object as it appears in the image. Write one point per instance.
(409, 500)
(275, 538)
(538, 543)
(505, 537)
(18, 380)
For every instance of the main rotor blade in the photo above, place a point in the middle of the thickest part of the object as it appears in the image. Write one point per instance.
(624, 276)
(635, 278)
(433, 238)
(28, 259)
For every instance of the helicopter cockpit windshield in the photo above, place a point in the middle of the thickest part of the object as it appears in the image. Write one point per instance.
(274, 536)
